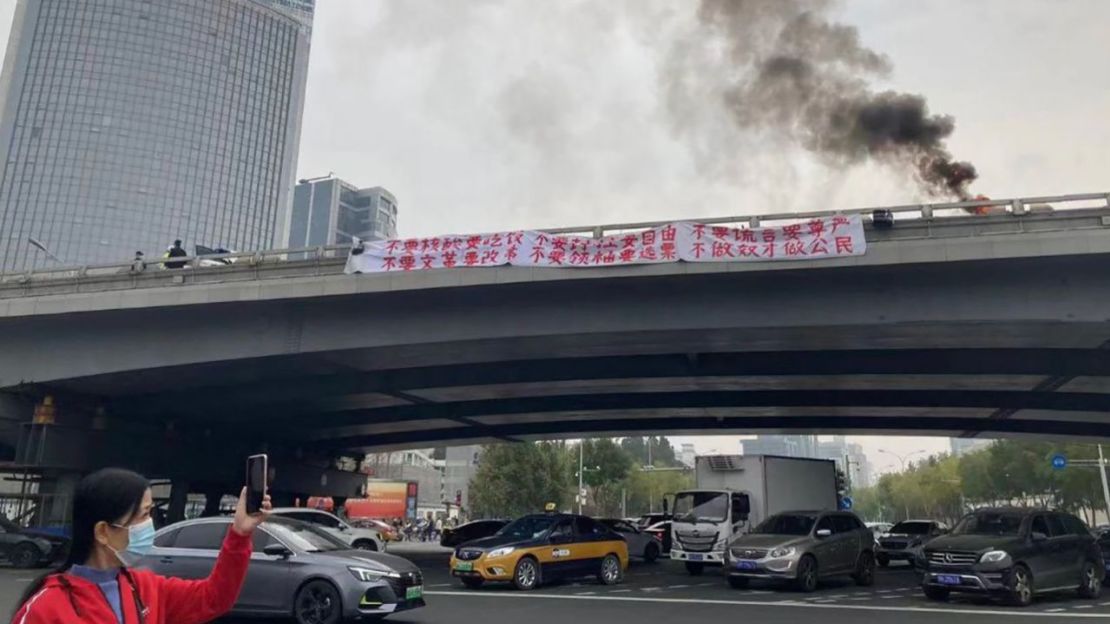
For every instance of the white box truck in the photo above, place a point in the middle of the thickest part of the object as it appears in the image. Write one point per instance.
(735, 493)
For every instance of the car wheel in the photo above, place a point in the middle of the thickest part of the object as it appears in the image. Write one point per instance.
(936, 593)
(695, 569)
(472, 583)
(883, 560)
(738, 582)
(651, 553)
(1090, 585)
(610, 572)
(317, 603)
(526, 576)
(1021, 587)
(864, 575)
(25, 556)
(807, 574)
(366, 545)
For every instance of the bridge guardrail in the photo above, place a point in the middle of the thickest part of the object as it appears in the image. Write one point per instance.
(330, 256)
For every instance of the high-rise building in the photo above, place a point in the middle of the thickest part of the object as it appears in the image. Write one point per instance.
(329, 211)
(963, 446)
(784, 445)
(130, 123)
(687, 455)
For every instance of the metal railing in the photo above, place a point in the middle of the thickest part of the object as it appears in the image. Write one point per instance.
(333, 254)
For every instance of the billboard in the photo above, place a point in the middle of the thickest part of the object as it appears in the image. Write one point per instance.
(384, 499)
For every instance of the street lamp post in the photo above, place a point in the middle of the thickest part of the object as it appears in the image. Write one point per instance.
(902, 459)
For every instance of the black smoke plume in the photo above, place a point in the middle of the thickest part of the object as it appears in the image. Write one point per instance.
(781, 65)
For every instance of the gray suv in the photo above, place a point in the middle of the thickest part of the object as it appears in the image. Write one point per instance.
(803, 547)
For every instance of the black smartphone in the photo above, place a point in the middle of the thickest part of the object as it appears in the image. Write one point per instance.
(258, 471)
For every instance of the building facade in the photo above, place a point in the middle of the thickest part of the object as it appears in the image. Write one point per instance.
(127, 124)
(849, 456)
(329, 211)
(963, 446)
(783, 445)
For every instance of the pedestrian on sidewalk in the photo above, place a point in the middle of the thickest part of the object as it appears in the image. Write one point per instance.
(112, 530)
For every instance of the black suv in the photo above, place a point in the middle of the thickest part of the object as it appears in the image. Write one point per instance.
(1015, 554)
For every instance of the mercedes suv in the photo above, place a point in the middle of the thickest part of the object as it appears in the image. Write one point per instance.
(1014, 554)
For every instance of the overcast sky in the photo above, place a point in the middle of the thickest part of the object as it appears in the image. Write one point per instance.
(496, 114)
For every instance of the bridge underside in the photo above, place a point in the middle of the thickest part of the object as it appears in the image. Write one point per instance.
(662, 382)
(992, 348)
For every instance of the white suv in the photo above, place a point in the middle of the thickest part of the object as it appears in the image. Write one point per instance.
(363, 539)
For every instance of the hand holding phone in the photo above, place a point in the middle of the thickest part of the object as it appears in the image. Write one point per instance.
(257, 473)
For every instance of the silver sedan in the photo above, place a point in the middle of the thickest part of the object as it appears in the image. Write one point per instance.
(296, 570)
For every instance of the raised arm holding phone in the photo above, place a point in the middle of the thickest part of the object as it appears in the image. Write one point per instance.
(112, 529)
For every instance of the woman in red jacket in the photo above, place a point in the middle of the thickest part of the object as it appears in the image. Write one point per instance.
(112, 529)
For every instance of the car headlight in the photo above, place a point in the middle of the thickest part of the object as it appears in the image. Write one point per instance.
(500, 552)
(785, 551)
(370, 575)
(993, 556)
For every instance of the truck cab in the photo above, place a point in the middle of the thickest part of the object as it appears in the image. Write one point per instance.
(734, 493)
(705, 522)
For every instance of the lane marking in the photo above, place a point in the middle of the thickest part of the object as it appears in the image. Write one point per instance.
(678, 586)
(620, 591)
(776, 603)
(442, 585)
(586, 594)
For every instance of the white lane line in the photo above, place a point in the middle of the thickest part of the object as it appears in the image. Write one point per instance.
(1083, 607)
(586, 594)
(678, 586)
(889, 597)
(442, 585)
(620, 591)
(1104, 604)
(650, 589)
(706, 584)
(1053, 610)
(774, 603)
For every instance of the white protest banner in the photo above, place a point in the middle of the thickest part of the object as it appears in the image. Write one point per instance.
(823, 237)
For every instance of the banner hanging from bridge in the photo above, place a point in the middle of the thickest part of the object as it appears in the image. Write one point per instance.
(825, 237)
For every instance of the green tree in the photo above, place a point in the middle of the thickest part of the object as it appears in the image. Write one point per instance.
(606, 466)
(520, 478)
(662, 453)
(646, 489)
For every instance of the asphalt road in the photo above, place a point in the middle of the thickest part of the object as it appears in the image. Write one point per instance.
(664, 593)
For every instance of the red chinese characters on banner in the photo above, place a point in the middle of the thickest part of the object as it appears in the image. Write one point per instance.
(440, 252)
(824, 237)
(652, 246)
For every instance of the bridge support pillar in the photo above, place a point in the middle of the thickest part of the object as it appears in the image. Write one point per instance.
(212, 502)
(179, 495)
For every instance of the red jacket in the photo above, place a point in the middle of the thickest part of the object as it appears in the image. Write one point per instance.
(66, 598)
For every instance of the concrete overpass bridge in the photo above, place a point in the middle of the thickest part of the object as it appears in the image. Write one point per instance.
(950, 325)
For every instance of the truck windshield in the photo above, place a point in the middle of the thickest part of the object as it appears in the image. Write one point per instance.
(701, 507)
(911, 528)
(989, 524)
(786, 524)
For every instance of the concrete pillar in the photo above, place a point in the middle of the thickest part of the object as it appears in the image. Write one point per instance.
(212, 502)
(55, 502)
(179, 495)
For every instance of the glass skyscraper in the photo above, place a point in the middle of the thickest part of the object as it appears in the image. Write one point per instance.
(130, 123)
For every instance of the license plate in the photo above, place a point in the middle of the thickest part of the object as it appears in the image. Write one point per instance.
(948, 579)
(464, 566)
(745, 565)
(414, 593)
(694, 557)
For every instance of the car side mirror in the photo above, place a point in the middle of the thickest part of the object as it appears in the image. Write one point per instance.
(823, 533)
(1037, 536)
(277, 550)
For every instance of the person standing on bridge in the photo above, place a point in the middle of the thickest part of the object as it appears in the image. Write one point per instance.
(112, 529)
(175, 251)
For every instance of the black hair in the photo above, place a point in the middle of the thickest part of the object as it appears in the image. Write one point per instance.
(112, 495)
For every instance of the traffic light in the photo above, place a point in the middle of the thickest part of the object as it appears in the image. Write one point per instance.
(842, 486)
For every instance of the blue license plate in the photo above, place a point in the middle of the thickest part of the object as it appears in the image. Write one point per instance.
(745, 565)
(948, 579)
(694, 557)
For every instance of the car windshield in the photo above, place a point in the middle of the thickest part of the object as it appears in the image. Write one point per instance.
(304, 537)
(786, 524)
(911, 528)
(701, 506)
(989, 523)
(528, 527)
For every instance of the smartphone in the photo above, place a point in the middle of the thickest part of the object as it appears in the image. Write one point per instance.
(258, 471)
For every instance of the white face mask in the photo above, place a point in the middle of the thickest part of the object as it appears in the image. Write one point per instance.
(140, 539)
